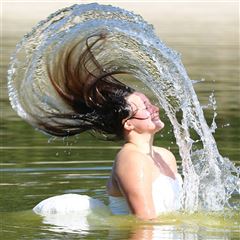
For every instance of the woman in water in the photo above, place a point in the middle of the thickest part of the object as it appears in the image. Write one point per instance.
(144, 179)
(141, 172)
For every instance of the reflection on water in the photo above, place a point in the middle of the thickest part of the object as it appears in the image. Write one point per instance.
(33, 169)
(168, 226)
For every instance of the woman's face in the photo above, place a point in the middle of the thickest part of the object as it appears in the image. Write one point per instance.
(146, 115)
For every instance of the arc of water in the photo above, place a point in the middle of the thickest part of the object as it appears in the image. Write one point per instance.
(132, 46)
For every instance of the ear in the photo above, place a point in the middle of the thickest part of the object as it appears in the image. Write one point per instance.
(128, 126)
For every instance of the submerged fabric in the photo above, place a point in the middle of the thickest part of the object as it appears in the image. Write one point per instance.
(67, 203)
(166, 193)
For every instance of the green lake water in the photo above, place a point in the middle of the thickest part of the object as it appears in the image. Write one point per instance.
(35, 167)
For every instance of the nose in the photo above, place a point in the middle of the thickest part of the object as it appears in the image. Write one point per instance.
(155, 109)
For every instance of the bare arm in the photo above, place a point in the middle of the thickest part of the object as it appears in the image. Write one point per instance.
(134, 177)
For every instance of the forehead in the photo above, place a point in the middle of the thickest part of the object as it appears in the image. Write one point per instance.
(137, 98)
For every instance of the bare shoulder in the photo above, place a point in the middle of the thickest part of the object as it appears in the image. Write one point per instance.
(167, 155)
(129, 161)
(130, 156)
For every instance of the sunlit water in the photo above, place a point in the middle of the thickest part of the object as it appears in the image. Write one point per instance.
(148, 59)
(130, 46)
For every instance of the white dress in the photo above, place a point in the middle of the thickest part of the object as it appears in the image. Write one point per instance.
(70, 212)
(67, 203)
(166, 193)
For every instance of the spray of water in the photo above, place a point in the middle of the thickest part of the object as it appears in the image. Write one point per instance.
(131, 46)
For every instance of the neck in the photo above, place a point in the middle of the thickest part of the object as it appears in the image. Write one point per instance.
(144, 142)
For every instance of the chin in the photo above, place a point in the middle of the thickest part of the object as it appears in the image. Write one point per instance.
(159, 125)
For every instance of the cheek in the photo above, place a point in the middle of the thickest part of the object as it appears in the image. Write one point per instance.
(143, 115)
(146, 115)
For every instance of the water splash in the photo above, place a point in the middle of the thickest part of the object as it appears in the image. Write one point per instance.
(131, 46)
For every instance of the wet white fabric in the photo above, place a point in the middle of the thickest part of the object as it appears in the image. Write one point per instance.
(166, 193)
(67, 203)
(70, 212)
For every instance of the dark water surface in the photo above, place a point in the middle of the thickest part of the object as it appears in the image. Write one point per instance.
(34, 167)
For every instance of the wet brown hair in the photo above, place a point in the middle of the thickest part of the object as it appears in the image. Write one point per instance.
(96, 97)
